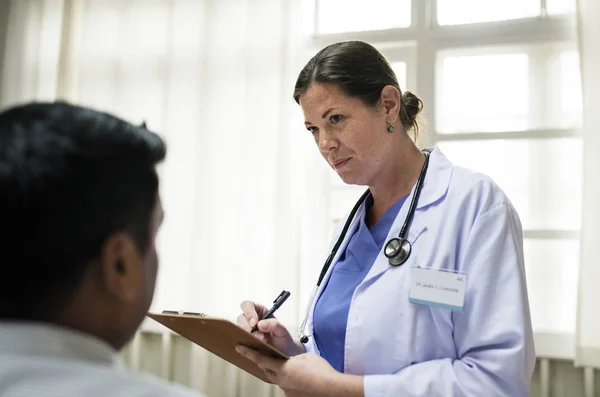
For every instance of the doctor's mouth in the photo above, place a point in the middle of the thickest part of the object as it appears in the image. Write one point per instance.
(340, 164)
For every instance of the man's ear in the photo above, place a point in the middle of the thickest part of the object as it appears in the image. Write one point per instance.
(391, 101)
(121, 267)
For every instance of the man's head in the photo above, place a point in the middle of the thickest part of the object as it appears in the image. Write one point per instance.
(79, 213)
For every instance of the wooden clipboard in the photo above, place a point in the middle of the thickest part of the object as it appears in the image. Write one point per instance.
(218, 336)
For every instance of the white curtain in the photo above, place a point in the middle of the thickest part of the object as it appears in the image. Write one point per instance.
(588, 314)
(215, 78)
(31, 50)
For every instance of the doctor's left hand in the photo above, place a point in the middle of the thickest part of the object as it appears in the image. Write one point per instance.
(300, 376)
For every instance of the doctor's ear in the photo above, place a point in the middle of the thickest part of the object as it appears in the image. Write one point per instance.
(390, 99)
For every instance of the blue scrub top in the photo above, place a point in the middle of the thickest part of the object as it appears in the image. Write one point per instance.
(332, 307)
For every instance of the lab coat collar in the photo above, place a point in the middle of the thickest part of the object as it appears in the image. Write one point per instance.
(48, 340)
(437, 181)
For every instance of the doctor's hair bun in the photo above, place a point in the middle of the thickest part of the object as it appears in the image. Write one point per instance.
(412, 105)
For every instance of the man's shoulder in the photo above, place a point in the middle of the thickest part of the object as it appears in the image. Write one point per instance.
(28, 376)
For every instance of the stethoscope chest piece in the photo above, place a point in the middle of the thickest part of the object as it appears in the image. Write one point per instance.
(397, 250)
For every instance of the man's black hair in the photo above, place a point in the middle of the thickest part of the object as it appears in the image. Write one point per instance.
(70, 177)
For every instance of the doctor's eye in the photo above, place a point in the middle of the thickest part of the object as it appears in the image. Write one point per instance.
(312, 130)
(336, 118)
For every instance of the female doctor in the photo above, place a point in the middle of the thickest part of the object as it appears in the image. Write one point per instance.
(424, 292)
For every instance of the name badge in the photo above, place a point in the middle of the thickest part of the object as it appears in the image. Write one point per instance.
(439, 288)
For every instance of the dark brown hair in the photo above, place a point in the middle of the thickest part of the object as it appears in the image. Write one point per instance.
(360, 71)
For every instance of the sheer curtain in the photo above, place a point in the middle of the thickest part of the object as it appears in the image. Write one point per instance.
(588, 319)
(31, 50)
(215, 78)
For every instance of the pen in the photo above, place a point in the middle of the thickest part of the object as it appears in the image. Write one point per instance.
(276, 305)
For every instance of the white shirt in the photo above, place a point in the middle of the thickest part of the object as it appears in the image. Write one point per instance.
(47, 361)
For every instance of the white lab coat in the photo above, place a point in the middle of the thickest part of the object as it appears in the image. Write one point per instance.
(463, 223)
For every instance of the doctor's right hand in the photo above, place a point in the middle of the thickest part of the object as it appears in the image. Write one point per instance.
(270, 330)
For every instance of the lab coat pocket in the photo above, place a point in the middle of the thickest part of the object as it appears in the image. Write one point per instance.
(426, 332)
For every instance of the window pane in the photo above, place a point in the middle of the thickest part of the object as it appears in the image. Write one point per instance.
(337, 16)
(571, 101)
(499, 89)
(542, 177)
(483, 93)
(454, 12)
(560, 6)
(400, 70)
(552, 272)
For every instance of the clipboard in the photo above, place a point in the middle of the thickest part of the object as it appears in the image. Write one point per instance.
(218, 336)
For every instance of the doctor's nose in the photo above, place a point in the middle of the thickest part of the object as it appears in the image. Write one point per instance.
(327, 142)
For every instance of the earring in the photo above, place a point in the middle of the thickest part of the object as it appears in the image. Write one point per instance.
(390, 128)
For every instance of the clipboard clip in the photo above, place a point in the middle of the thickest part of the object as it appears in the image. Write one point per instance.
(179, 312)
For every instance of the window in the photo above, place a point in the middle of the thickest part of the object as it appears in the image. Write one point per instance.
(337, 16)
(517, 89)
(454, 12)
(553, 264)
(400, 71)
(483, 93)
(502, 92)
(555, 7)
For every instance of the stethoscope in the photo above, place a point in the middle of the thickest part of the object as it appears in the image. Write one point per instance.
(397, 249)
